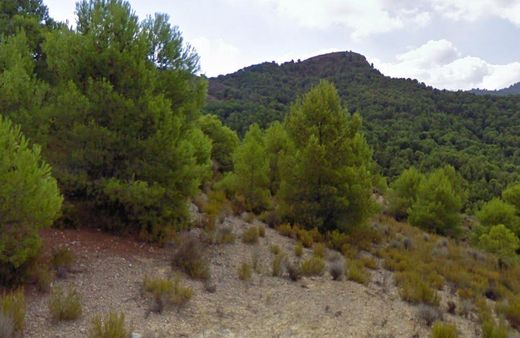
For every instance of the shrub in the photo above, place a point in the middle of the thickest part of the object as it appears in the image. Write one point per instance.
(12, 305)
(337, 269)
(318, 250)
(298, 249)
(337, 239)
(429, 314)
(357, 273)
(65, 306)
(305, 237)
(245, 272)
(40, 275)
(500, 241)
(285, 229)
(496, 212)
(313, 266)
(443, 330)
(413, 289)
(294, 271)
(278, 264)
(30, 201)
(511, 311)
(250, 236)
(62, 260)
(225, 235)
(112, 326)
(167, 292)
(275, 249)
(190, 258)
(6, 326)
(491, 330)
(369, 262)
(261, 230)
(403, 192)
(512, 195)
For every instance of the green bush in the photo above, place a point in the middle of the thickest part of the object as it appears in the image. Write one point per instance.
(500, 241)
(12, 306)
(30, 201)
(496, 212)
(190, 257)
(225, 235)
(511, 310)
(62, 260)
(403, 193)
(65, 306)
(112, 326)
(512, 196)
(250, 236)
(275, 249)
(313, 266)
(356, 272)
(443, 330)
(261, 230)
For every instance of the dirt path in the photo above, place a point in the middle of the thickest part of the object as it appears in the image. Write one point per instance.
(111, 271)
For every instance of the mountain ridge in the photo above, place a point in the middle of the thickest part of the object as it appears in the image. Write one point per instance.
(406, 122)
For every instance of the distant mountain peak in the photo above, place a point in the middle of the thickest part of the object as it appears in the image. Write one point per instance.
(514, 89)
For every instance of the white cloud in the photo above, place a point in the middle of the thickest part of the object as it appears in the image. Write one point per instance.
(362, 18)
(475, 9)
(440, 64)
(217, 56)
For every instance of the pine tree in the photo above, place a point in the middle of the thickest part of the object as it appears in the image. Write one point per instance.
(440, 198)
(29, 201)
(249, 179)
(326, 182)
(404, 191)
(277, 145)
(224, 142)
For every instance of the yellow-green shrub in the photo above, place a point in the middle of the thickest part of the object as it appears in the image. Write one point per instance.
(313, 266)
(112, 326)
(356, 272)
(250, 236)
(13, 306)
(443, 330)
(318, 250)
(65, 306)
(298, 249)
(413, 289)
(245, 272)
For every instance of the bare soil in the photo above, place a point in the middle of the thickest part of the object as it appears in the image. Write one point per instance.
(109, 272)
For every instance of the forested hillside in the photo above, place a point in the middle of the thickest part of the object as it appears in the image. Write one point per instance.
(405, 122)
(514, 89)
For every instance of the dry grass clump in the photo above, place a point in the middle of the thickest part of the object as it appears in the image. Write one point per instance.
(357, 272)
(12, 311)
(413, 289)
(225, 235)
(6, 326)
(245, 272)
(275, 249)
(313, 266)
(65, 305)
(41, 276)
(261, 230)
(285, 229)
(369, 262)
(278, 264)
(429, 314)
(305, 237)
(190, 257)
(318, 250)
(62, 260)
(298, 249)
(250, 236)
(167, 292)
(444, 330)
(112, 326)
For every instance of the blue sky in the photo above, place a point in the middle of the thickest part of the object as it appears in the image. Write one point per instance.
(451, 44)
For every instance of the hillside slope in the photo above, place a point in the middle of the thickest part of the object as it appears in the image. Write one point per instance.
(406, 122)
(514, 89)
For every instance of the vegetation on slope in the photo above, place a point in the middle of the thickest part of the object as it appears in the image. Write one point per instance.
(406, 123)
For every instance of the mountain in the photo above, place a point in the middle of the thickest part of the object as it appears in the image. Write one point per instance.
(511, 90)
(406, 122)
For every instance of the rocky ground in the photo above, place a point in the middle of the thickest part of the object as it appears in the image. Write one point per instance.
(109, 272)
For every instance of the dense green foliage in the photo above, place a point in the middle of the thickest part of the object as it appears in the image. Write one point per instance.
(433, 201)
(115, 105)
(29, 201)
(326, 181)
(224, 141)
(249, 180)
(497, 212)
(406, 123)
(501, 241)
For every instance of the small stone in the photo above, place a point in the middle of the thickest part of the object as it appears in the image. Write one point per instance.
(136, 335)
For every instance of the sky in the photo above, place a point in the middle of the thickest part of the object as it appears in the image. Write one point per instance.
(448, 44)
